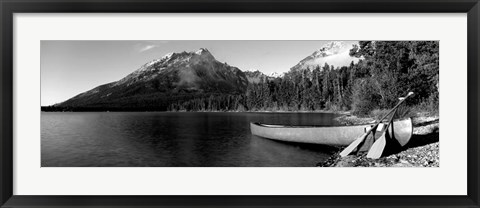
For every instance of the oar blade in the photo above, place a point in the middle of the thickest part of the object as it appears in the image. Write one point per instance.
(353, 145)
(377, 148)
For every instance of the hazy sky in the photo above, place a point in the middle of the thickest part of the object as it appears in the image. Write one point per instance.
(69, 68)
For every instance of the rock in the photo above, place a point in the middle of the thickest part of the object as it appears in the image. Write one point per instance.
(403, 161)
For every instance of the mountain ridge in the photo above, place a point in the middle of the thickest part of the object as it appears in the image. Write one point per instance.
(195, 72)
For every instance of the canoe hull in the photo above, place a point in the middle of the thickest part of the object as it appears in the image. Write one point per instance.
(334, 135)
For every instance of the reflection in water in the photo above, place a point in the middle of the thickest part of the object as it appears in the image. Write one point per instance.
(164, 139)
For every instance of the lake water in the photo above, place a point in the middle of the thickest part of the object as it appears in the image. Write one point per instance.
(167, 139)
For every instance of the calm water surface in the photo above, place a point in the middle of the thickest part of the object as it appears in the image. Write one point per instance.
(164, 139)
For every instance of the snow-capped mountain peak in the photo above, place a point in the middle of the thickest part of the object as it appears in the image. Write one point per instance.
(333, 53)
(201, 51)
(201, 54)
(189, 66)
(274, 74)
(331, 48)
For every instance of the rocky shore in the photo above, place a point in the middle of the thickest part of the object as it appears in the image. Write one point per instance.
(421, 151)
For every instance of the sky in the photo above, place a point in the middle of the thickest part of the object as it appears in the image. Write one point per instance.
(69, 68)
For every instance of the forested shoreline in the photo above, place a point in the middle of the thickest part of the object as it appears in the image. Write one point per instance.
(386, 70)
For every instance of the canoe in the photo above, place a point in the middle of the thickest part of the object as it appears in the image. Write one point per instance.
(401, 130)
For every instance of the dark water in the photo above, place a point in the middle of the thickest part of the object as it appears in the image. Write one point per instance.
(125, 139)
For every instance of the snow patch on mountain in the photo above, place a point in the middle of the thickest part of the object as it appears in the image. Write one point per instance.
(147, 65)
(275, 74)
(334, 53)
(200, 51)
(167, 56)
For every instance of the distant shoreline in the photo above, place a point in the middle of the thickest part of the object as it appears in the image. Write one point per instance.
(133, 111)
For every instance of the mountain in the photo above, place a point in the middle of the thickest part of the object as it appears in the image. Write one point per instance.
(254, 77)
(334, 53)
(158, 83)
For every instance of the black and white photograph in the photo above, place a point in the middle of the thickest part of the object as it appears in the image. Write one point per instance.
(239, 103)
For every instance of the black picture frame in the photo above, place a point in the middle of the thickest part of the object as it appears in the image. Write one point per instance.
(9, 7)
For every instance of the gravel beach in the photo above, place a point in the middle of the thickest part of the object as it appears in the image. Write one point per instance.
(421, 151)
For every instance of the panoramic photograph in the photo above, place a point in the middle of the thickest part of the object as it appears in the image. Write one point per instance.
(239, 103)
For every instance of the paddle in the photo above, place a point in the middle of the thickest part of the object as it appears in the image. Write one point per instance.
(378, 146)
(360, 139)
